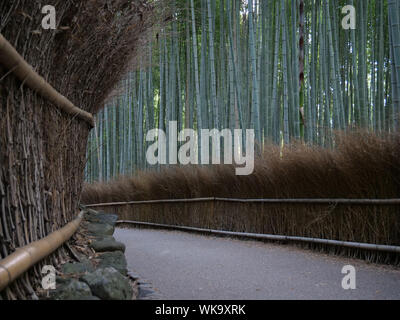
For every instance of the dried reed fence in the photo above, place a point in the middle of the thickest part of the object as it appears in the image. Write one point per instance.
(42, 148)
(362, 166)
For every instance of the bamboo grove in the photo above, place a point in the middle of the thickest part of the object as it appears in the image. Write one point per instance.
(287, 69)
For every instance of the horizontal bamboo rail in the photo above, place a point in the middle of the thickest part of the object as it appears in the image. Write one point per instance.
(24, 258)
(111, 204)
(271, 201)
(271, 237)
(13, 61)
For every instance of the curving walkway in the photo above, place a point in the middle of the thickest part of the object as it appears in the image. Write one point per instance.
(183, 266)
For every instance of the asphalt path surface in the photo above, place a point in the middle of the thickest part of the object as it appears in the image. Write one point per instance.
(184, 266)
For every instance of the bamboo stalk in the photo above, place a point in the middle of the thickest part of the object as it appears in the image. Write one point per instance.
(23, 258)
(275, 201)
(11, 59)
(258, 236)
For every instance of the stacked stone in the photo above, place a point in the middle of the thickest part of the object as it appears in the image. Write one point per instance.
(102, 278)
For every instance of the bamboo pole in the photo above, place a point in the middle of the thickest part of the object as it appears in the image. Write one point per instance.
(271, 237)
(25, 257)
(12, 60)
(273, 201)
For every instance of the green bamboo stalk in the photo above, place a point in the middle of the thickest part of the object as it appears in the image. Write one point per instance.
(274, 103)
(394, 28)
(286, 138)
(214, 104)
(295, 82)
(255, 107)
(196, 75)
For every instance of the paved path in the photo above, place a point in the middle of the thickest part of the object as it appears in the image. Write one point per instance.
(183, 266)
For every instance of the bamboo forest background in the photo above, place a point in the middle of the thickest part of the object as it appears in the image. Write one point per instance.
(286, 69)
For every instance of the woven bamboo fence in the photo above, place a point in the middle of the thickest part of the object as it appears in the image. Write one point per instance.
(51, 81)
